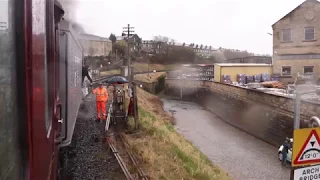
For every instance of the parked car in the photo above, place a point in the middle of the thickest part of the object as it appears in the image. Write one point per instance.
(289, 156)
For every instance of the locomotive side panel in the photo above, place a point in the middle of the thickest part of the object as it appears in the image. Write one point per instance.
(73, 81)
(63, 76)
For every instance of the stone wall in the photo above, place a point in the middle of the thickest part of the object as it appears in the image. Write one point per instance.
(266, 116)
(149, 87)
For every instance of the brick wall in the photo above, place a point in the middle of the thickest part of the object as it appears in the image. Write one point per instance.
(266, 116)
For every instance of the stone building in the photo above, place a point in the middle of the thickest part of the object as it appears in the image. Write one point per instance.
(134, 41)
(155, 47)
(204, 51)
(296, 43)
(94, 45)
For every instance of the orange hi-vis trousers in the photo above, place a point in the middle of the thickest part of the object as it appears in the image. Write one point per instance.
(101, 106)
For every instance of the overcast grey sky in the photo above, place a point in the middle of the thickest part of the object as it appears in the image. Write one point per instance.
(238, 24)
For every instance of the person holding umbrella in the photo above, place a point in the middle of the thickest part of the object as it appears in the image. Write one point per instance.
(101, 99)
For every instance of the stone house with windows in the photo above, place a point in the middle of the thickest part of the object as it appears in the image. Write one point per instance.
(296, 43)
(152, 46)
(134, 41)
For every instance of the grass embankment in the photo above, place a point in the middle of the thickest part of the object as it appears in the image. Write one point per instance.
(149, 78)
(164, 153)
(111, 72)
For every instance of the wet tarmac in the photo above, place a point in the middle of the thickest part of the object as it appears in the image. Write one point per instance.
(241, 155)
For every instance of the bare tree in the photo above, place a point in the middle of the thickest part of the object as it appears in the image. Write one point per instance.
(175, 54)
(113, 39)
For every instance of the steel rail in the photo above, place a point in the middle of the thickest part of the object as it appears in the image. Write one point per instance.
(121, 162)
(141, 173)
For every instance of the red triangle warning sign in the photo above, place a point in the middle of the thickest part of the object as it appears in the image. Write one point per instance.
(310, 151)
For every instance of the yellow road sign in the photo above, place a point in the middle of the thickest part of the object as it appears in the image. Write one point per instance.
(306, 147)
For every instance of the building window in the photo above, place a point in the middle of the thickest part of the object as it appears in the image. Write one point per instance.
(308, 70)
(309, 33)
(286, 71)
(286, 35)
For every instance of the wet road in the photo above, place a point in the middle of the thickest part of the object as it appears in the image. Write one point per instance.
(241, 155)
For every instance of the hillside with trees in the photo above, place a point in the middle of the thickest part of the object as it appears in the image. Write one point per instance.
(192, 53)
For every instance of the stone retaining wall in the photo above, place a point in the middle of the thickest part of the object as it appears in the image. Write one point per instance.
(149, 87)
(266, 116)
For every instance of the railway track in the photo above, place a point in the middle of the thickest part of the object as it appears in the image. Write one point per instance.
(119, 147)
(121, 162)
(133, 159)
(126, 158)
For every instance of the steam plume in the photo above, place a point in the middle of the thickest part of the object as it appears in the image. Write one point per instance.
(70, 7)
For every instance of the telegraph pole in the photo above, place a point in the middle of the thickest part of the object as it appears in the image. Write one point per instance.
(128, 30)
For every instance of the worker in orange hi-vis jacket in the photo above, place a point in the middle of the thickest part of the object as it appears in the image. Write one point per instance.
(101, 99)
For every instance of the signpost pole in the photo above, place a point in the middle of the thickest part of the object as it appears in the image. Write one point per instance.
(296, 122)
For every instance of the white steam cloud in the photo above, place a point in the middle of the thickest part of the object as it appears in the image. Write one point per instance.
(70, 7)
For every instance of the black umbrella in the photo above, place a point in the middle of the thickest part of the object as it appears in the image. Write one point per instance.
(116, 79)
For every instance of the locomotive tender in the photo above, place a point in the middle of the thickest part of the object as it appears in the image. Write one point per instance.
(40, 88)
